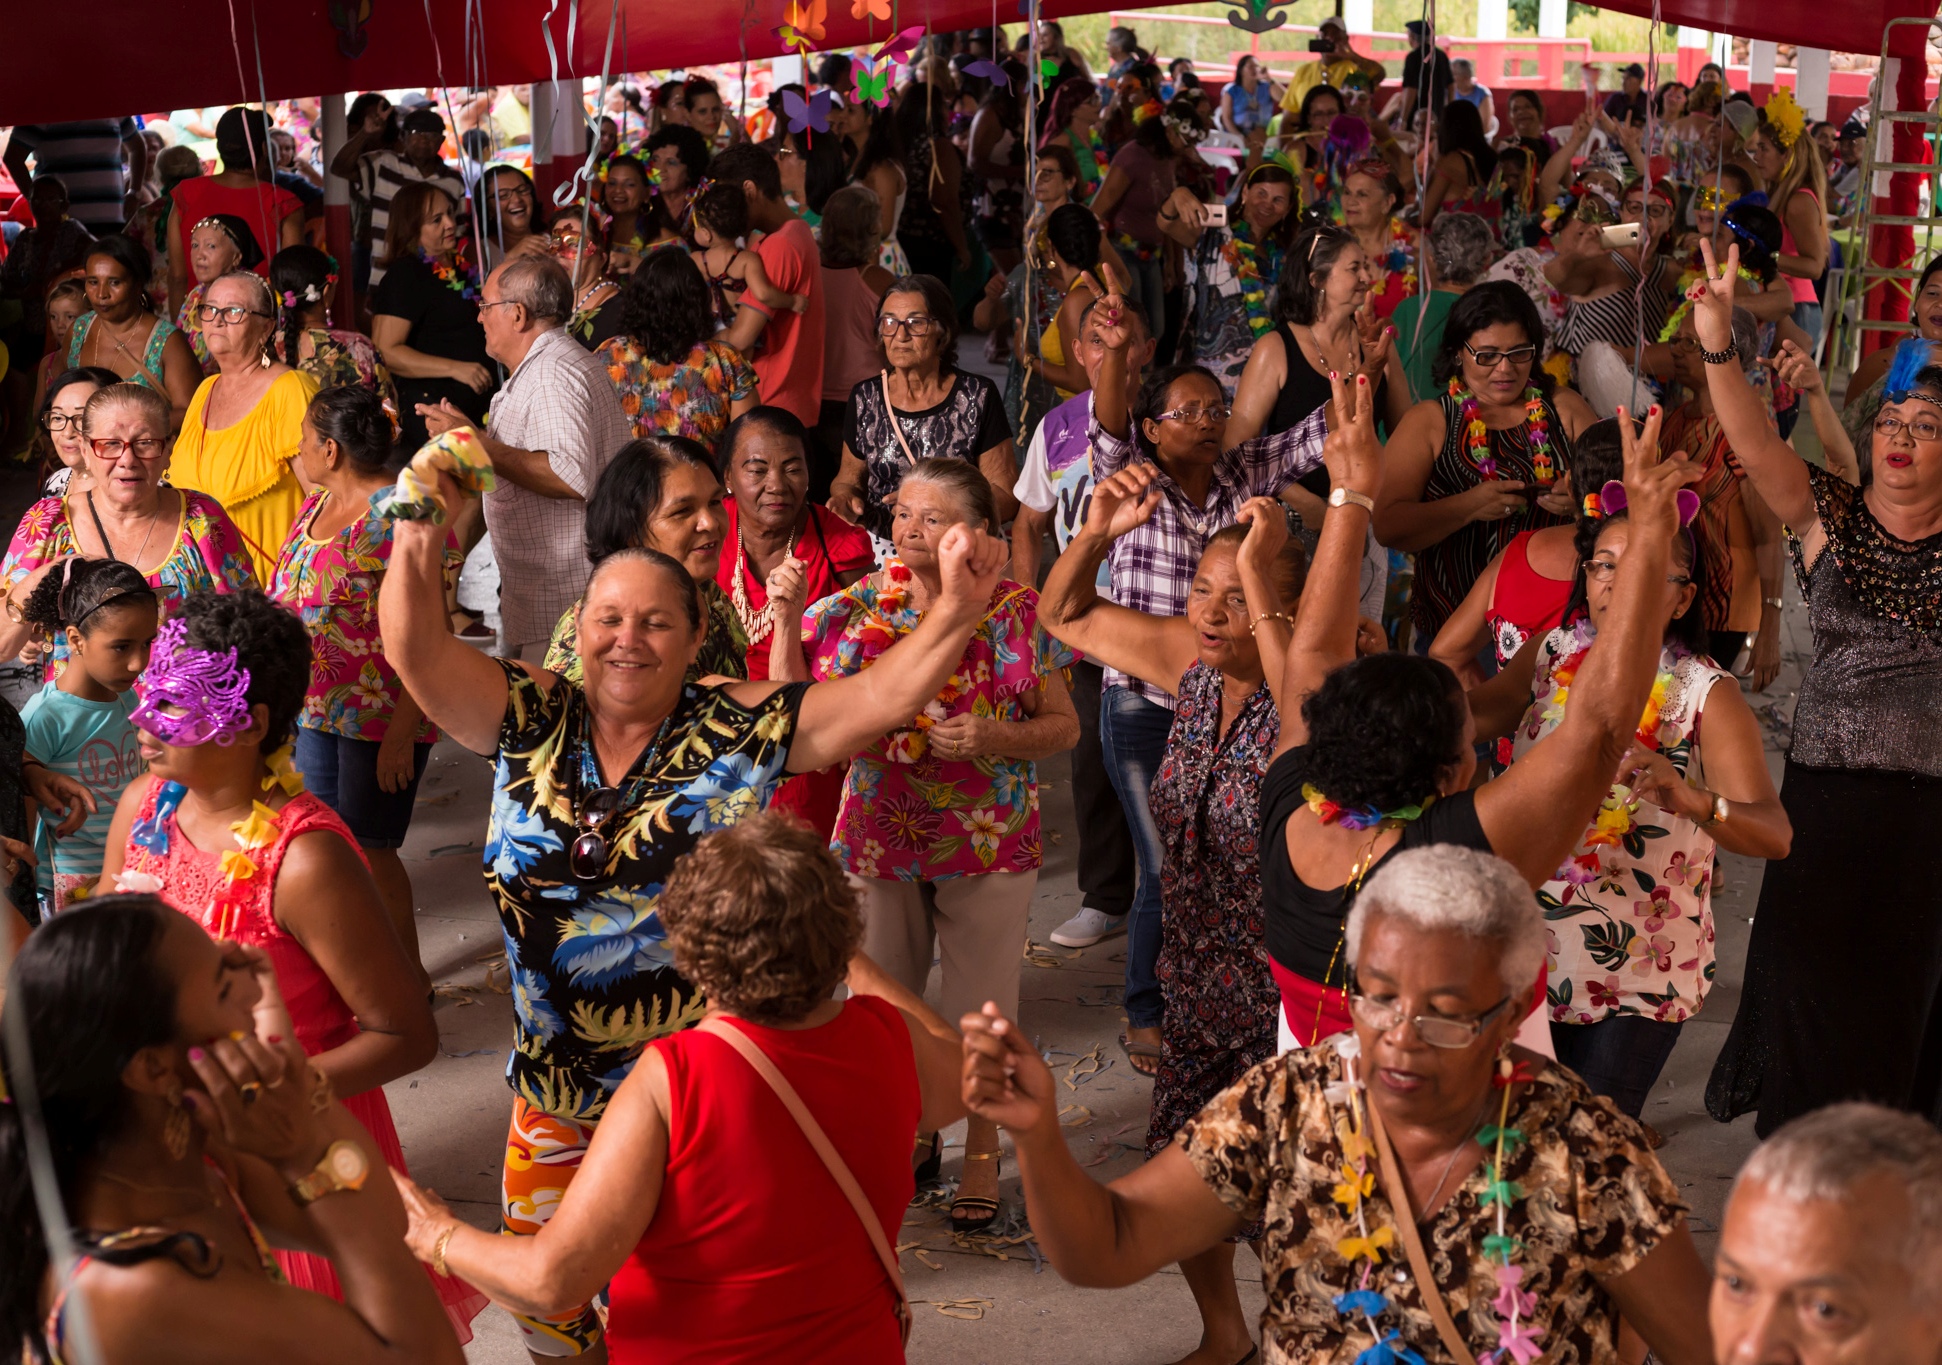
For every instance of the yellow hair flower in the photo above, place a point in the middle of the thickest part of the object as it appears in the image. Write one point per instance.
(1787, 119)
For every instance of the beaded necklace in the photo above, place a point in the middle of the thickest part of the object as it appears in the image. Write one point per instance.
(1476, 436)
(1517, 1337)
(449, 275)
(757, 624)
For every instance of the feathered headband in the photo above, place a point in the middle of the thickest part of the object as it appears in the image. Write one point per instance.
(1912, 356)
(1785, 116)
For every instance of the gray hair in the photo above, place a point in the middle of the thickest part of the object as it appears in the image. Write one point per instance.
(1445, 886)
(1456, 62)
(1825, 1154)
(1461, 246)
(964, 482)
(539, 284)
(1746, 337)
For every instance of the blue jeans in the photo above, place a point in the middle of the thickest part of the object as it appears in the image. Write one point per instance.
(1619, 1057)
(343, 774)
(1808, 317)
(1133, 736)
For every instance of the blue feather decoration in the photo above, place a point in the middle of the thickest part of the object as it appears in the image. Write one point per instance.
(1910, 357)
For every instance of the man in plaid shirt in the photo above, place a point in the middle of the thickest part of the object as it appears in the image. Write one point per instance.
(1177, 425)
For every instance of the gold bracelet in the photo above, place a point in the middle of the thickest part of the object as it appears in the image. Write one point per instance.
(438, 1249)
(1271, 616)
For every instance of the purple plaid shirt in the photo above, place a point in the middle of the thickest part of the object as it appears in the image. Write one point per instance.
(1153, 565)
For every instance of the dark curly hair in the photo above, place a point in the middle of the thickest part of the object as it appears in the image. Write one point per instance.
(761, 917)
(87, 995)
(690, 149)
(354, 417)
(723, 210)
(269, 641)
(1383, 730)
(1599, 457)
(81, 588)
(665, 306)
(1487, 305)
(1075, 234)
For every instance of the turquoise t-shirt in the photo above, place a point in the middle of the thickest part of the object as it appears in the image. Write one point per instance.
(93, 742)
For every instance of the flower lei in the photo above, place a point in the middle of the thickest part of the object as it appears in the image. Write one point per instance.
(1517, 1337)
(876, 635)
(1686, 282)
(1096, 146)
(1544, 468)
(458, 281)
(1399, 258)
(253, 834)
(1360, 817)
(1614, 819)
(1244, 258)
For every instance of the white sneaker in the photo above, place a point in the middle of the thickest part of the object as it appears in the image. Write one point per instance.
(1087, 928)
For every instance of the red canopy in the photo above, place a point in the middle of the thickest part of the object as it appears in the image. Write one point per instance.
(67, 60)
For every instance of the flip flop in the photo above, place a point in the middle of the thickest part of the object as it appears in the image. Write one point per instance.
(1135, 1049)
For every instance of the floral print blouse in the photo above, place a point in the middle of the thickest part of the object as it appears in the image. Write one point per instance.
(689, 398)
(1630, 913)
(593, 981)
(338, 357)
(208, 553)
(1594, 1202)
(906, 814)
(333, 586)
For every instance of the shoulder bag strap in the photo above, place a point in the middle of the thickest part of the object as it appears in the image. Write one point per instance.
(826, 1150)
(1392, 1178)
(890, 411)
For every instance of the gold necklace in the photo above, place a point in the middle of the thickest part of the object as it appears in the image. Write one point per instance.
(756, 624)
(201, 1194)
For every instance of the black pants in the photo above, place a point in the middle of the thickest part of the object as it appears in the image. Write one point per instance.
(825, 450)
(1106, 860)
(1619, 1057)
(1725, 646)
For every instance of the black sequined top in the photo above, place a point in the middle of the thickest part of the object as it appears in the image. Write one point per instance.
(1872, 697)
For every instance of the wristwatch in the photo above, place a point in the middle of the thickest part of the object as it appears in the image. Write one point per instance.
(1720, 810)
(343, 1167)
(1341, 497)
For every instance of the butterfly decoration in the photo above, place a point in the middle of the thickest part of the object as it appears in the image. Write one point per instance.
(872, 79)
(990, 71)
(899, 48)
(802, 24)
(1048, 71)
(806, 114)
(873, 9)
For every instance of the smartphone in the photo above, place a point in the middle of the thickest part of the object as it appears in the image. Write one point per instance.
(1619, 235)
(1217, 215)
(1321, 45)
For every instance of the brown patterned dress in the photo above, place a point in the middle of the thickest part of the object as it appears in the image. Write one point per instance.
(1595, 1202)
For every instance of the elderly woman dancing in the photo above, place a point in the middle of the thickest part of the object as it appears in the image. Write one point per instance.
(1213, 966)
(600, 787)
(1829, 1016)
(1426, 1188)
(690, 1192)
(939, 819)
(138, 1025)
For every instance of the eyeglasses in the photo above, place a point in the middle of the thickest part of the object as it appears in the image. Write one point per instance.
(498, 303)
(1437, 1030)
(61, 421)
(917, 324)
(1491, 358)
(1601, 571)
(1684, 343)
(1194, 414)
(147, 448)
(587, 859)
(231, 316)
(1921, 429)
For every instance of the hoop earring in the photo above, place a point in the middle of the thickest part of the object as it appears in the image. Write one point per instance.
(175, 1128)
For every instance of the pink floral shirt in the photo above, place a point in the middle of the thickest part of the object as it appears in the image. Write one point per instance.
(333, 586)
(907, 815)
(1630, 913)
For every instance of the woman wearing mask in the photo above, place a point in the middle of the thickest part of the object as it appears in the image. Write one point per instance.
(123, 334)
(426, 315)
(362, 743)
(239, 439)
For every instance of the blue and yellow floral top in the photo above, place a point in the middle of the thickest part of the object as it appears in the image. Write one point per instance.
(908, 815)
(593, 981)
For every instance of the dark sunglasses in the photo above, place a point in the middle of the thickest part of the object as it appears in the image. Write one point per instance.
(587, 859)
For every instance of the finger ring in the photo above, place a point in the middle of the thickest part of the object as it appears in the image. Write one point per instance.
(250, 1090)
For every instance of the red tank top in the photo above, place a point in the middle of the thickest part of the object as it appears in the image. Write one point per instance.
(1523, 601)
(727, 1272)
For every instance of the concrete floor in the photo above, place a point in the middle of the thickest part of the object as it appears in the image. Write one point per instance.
(993, 1302)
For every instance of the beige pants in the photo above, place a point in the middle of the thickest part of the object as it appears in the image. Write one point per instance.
(976, 923)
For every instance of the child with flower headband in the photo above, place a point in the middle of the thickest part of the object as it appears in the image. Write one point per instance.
(223, 830)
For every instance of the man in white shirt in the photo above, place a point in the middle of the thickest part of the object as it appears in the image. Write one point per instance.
(554, 426)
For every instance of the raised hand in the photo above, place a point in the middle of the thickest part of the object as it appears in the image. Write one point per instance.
(1652, 485)
(788, 589)
(1712, 297)
(1005, 1079)
(1352, 452)
(970, 562)
(1267, 534)
(1126, 500)
(1109, 317)
(256, 1098)
(1376, 336)
(1795, 368)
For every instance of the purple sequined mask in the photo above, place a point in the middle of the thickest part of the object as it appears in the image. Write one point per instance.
(207, 689)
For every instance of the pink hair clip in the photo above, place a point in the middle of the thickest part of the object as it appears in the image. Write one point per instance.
(1612, 498)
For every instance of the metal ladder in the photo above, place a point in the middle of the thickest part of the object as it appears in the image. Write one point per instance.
(1842, 336)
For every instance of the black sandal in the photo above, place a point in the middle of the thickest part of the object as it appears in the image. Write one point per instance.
(927, 1169)
(981, 1210)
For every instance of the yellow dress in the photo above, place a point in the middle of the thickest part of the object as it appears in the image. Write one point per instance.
(246, 466)
(1052, 347)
